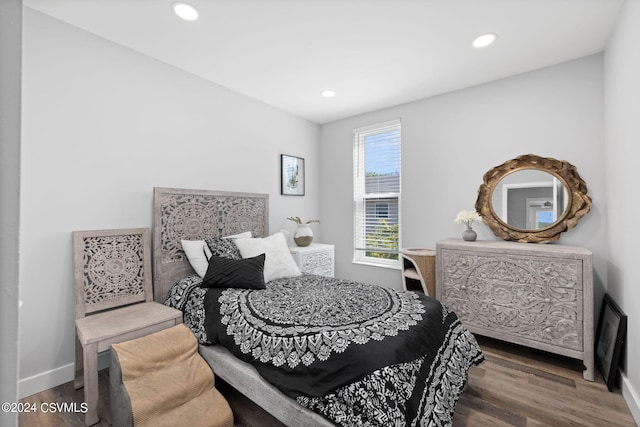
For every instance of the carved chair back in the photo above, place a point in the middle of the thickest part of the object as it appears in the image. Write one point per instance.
(112, 269)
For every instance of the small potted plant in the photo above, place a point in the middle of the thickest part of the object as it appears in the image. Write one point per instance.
(303, 235)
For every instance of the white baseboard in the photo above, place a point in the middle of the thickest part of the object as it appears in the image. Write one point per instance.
(631, 397)
(45, 380)
(55, 377)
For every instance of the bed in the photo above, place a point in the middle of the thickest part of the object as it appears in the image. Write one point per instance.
(310, 350)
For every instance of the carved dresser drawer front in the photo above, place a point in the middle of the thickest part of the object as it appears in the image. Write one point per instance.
(317, 258)
(320, 263)
(540, 299)
(534, 295)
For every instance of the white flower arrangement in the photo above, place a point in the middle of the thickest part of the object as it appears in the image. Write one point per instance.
(467, 218)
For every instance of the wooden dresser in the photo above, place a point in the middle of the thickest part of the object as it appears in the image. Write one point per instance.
(536, 295)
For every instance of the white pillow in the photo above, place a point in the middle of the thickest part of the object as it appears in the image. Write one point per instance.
(278, 261)
(198, 253)
(243, 235)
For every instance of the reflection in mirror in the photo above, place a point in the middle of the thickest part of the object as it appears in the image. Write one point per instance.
(529, 199)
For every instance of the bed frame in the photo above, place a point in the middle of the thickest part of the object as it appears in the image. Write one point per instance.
(196, 214)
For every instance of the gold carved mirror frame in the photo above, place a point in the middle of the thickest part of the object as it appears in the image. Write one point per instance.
(578, 203)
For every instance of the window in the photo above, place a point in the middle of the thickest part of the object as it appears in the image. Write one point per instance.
(382, 209)
(376, 194)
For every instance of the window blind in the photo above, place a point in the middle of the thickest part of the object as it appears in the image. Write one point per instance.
(377, 184)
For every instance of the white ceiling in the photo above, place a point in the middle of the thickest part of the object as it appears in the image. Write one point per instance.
(373, 53)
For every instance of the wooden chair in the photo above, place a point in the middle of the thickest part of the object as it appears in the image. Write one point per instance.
(113, 300)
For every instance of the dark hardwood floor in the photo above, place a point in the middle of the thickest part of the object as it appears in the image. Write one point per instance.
(514, 387)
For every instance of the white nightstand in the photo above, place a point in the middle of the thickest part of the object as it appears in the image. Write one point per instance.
(317, 258)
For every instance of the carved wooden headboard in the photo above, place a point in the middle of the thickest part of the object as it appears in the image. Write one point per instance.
(197, 214)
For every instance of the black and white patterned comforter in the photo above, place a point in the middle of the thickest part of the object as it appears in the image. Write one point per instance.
(360, 355)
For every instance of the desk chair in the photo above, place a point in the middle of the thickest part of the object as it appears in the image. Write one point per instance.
(113, 300)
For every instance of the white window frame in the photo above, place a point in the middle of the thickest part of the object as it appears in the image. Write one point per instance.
(359, 207)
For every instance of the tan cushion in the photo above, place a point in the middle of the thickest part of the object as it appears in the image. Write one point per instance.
(169, 383)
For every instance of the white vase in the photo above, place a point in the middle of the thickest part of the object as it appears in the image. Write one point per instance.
(303, 235)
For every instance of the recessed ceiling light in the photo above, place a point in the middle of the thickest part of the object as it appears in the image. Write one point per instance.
(185, 11)
(484, 40)
(328, 93)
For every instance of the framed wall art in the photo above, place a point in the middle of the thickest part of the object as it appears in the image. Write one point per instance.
(612, 329)
(291, 175)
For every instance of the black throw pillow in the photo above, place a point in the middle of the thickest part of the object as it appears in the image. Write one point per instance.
(235, 273)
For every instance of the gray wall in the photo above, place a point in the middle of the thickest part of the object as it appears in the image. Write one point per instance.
(103, 125)
(10, 66)
(622, 151)
(450, 141)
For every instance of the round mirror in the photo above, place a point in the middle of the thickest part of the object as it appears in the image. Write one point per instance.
(532, 199)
